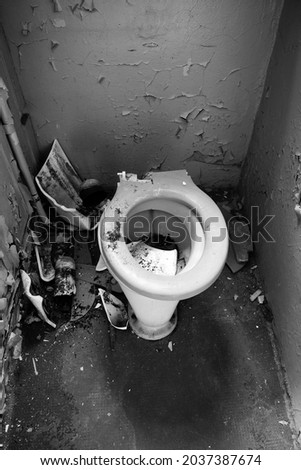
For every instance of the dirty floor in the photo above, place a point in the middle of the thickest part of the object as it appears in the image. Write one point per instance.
(213, 384)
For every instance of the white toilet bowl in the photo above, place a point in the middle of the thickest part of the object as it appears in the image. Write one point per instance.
(168, 204)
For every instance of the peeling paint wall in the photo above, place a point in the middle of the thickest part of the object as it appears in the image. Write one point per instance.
(137, 85)
(272, 181)
(14, 213)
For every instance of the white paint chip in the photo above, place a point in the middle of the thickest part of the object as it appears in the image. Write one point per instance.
(261, 299)
(255, 295)
(170, 345)
(58, 23)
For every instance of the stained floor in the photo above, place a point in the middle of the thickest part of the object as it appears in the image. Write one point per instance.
(212, 384)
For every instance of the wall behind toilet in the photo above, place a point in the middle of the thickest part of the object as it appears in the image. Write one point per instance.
(138, 85)
(271, 179)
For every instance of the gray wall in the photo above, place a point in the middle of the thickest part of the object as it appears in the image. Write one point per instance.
(271, 180)
(137, 85)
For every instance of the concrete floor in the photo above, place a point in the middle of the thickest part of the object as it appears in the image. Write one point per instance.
(218, 388)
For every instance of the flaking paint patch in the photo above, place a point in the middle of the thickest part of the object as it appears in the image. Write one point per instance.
(160, 56)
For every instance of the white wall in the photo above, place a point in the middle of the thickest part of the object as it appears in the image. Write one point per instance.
(137, 85)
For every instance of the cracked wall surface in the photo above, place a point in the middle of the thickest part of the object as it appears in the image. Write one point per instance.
(272, 181)
(136, 84)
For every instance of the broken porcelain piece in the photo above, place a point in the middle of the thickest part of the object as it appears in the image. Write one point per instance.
(115, 310)
(43, 256)
(162, 205)
(36, 300)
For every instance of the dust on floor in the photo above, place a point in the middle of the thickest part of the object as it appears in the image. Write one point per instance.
(212, 384)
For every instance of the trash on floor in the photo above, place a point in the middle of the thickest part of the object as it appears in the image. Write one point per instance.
(64, 281)
(36, 300)
(87, 282)
(115, 310)
(64, 276)
(154, 259)
(240, 238)
(261, 299)
(43, 256)
(255, 295)
(34, 366)
(15, 343)
(63, 187)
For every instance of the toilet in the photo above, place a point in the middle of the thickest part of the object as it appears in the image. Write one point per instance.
(163, 204)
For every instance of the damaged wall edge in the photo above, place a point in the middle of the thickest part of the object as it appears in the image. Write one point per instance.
(15, 211)
(17, 104)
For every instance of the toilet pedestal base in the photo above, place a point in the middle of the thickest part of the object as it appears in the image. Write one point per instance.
(148, 332)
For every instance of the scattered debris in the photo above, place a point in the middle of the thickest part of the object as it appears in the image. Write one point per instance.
(235, 297)
(43, 256)
(261, 299)
(240, 237)
(115, 310)
(36, 300)
(170, 345)
(15, 343)
(255, 295)
(283, 422)
(34, 366)
(64, 276)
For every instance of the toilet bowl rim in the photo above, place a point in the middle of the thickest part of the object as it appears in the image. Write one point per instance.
(186, 283)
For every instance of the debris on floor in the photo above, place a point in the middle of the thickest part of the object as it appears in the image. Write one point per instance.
(64, 276)
(261, 299)
(36, 300)
(115, 309)
(220, 379)
(240, 239)
(43, 257)
(255, 295)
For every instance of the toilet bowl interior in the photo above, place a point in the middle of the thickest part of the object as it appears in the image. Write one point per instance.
(167, 224)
